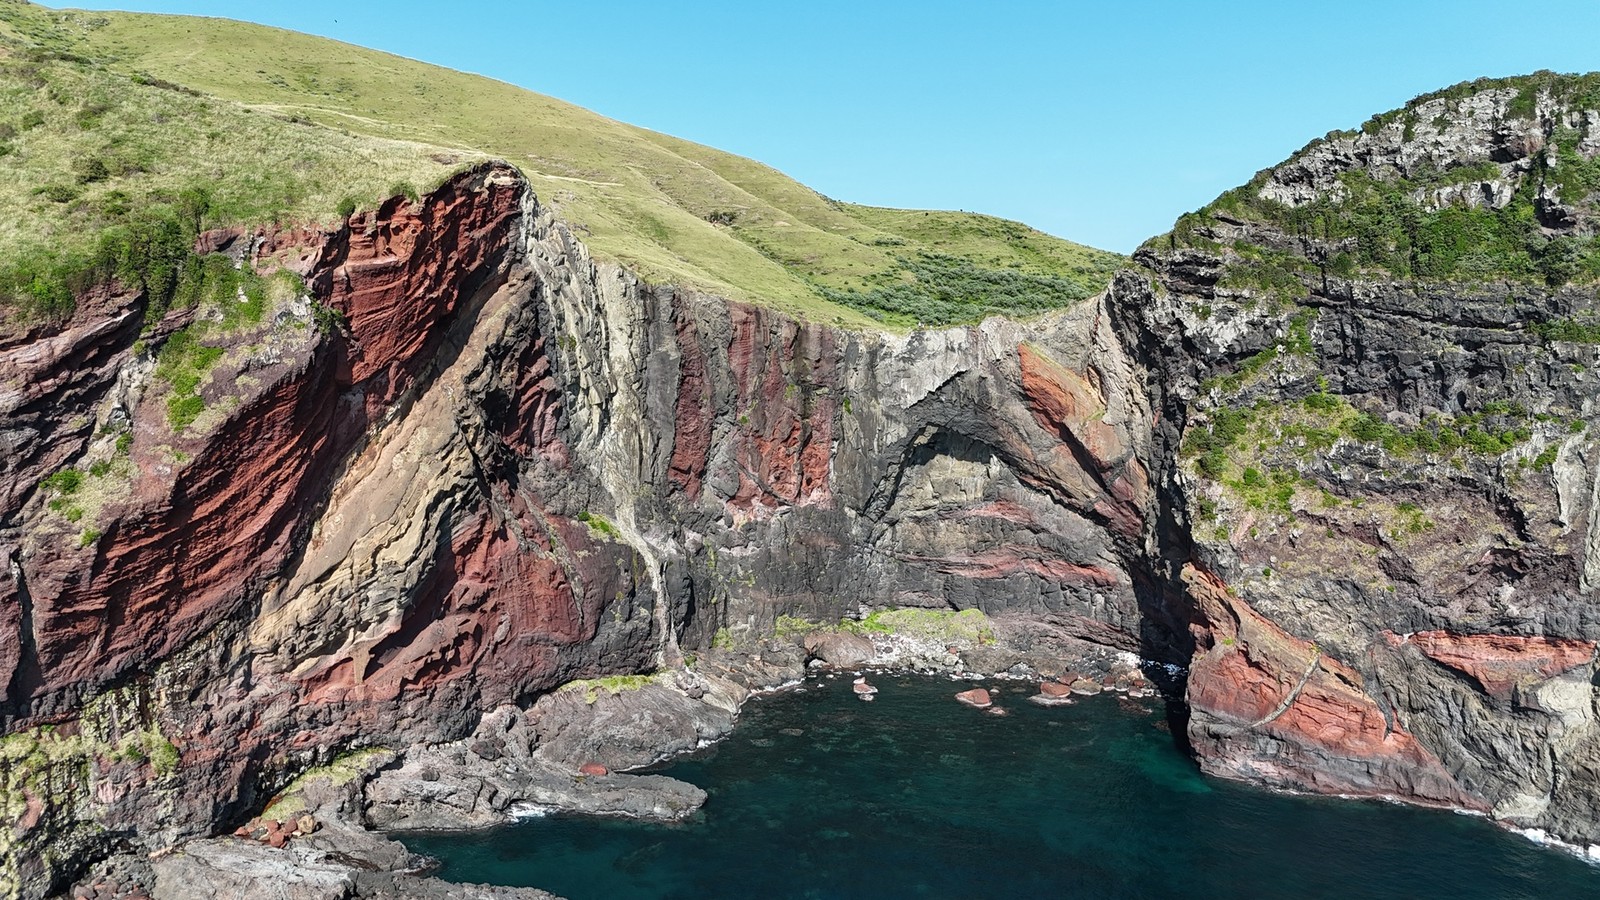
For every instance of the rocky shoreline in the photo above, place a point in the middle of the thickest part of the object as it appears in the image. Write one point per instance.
(1355, 502)
(591, 748)
(587, 748)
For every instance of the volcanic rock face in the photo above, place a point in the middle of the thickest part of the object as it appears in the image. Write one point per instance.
(468, 465)
(1376, 461)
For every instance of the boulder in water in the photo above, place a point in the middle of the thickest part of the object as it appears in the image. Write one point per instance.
(977, 697)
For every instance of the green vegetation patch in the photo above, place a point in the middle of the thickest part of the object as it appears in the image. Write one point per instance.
(938, 289)
(65, 482)
(151, 746)
(79, 494)
(1315, 424)
(787, 627)
(63, 489)
(1569, 330)
(239, 297)
(611, 684)
(1258, 452)
(183, 363)
(1398, 225)
(107, 174)
(310, 127)
(1272, 275)
(345, 768)
(1387, 230)
(1411, 520)
(600, 526)
(967, 626)
(1580, 91)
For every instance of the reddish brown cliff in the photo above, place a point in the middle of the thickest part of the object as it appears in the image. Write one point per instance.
(469, 465)
(1253, 686)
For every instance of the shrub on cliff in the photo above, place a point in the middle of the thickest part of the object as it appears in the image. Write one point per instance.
(1429, 220)
(938, 289)
(112, 177)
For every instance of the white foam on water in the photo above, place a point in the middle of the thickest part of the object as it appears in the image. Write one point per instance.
(791, 683)
(1589, 853)
(520, 811)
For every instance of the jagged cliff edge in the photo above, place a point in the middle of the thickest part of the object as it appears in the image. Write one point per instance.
(469, 464)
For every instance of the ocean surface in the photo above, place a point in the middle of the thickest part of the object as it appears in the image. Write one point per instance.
(817, 794)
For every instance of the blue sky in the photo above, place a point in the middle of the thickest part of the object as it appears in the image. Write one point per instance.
(1099, 122)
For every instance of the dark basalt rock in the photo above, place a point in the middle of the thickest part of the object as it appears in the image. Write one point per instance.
(844, 651)
(508, 467)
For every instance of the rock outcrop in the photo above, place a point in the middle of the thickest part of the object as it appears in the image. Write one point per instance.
(1376, 458)
(1343, 474)
(467, 465)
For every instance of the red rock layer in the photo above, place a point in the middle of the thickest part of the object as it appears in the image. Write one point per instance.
(691, 439)
(179, 557)
(1066, 405)
(50, 374)
(785, 440)
(1251, 679)
(176, 563)
(10, 632)
(53, 374)
(499, 598)
(533, 427)
(405, 268)
(510, 603)
(1501, 663)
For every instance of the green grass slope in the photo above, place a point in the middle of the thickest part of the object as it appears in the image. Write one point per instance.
(673, 211)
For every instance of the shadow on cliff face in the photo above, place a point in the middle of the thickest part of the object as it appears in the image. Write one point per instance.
(1165, 647)
(1166, 641)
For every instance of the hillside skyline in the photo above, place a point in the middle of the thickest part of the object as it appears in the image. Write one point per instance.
(1101, 126)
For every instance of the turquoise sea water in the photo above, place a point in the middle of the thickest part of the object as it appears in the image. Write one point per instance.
(819, 795)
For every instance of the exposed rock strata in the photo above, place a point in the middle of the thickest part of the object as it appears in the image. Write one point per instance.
(1373, 614)
(496, 468)
(473, 465)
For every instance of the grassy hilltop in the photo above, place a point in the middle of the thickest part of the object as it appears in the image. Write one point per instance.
(105, 116)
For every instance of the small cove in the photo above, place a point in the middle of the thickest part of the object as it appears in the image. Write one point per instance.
(817, 794)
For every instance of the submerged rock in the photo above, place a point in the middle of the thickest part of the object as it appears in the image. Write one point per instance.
(977, 697)
(1052, 693)
(1086, 687)
(1047, 700)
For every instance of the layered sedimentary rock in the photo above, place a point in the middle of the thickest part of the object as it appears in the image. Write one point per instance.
(468, 464)
(1377, 457)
